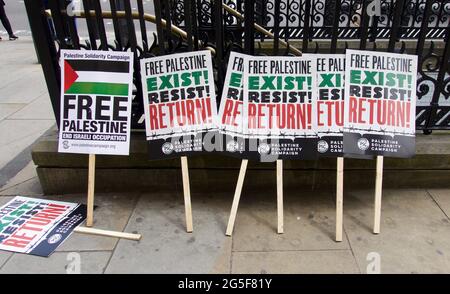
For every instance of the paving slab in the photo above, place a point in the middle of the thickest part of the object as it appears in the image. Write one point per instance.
(294, 262)
(442, 197)
(25, 89)
(26, 174)
(30, 187)
(165, 246)
(414, 234)
(7, 109)
(309, 222)
(18, 134)
(57, 263)
(12, 72)
(40, 108)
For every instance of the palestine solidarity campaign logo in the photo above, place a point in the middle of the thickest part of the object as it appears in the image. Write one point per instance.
(96, 77)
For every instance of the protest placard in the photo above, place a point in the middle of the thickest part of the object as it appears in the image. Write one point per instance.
(95, 102)
(179, 103)
(279, 106)
(230, 116)
(330, 104)
(37, 226)
(380, 103)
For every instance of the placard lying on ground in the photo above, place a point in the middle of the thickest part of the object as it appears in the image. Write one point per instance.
(380, 103)
(95, 102)
(330, 104)
(279, 103)
(180, 103)
(232, 106)
(37, 226)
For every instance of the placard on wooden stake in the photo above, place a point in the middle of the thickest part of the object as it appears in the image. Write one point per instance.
(339, 197)
(187, 194)
(90, 210)
(378, 193)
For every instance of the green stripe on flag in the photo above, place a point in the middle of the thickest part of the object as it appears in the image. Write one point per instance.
(98, 88)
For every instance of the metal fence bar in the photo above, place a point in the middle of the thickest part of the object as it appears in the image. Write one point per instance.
(159, 27)
(46, 49)
(166, 12)
(58, 23)
(439, 85)
(423, 31)
(306, 26)
(71, 27)
(142, 25)
(335, 29)
(218, 24)
(92, 30)
(131, 31)
(364, 26)
(100, 25)
(116, 25)
(396, 24)
(276, 28)
(188, 22)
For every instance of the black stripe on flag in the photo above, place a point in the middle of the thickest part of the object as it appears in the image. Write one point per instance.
(100, 65)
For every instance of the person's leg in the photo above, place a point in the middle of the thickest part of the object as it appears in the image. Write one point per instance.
(5, 21)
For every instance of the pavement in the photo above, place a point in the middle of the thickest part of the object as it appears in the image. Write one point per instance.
(415, 229)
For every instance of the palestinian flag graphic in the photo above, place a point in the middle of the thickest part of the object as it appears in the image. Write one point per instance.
(96, 77)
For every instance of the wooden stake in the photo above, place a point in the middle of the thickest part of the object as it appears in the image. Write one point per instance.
(91, 188)
(339, 198)
(90, 210)
(187, 194)
(237, 196)
(378, 192)
(280, 196)
(92, 231)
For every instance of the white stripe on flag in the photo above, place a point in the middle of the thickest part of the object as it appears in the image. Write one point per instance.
(102, 77)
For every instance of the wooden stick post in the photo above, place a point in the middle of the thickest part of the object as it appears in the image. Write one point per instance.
(90, 210)
(187, 194)
(91, 188)
(378, 193)
(339, 198)
(237, 196)
(280, 196)
(92, 231)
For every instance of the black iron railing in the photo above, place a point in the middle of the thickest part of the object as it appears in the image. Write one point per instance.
(269, 27)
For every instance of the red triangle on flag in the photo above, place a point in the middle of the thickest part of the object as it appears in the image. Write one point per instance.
(70, 76)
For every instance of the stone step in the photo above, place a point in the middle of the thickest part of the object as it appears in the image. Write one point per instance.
(60, 172)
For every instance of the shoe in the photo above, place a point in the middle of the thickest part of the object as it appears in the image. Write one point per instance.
(1, 38)
(13, 37)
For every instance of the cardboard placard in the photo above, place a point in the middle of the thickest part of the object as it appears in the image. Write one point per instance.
(230, 116)
(380, 103)
(95, 102)
(179, 104)
(37, 226)
(330, 104)
(279, 106)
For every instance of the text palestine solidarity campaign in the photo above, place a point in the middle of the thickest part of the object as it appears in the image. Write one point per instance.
(89, 55)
